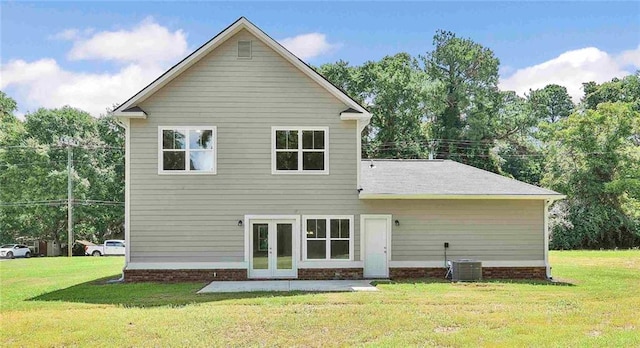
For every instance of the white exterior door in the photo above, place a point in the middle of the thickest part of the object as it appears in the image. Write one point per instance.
(273, 252)
(376, 245)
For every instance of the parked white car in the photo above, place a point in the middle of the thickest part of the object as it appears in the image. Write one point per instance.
(110, 247)
(11, 251)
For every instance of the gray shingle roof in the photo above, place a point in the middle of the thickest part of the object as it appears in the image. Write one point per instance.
(439, 177)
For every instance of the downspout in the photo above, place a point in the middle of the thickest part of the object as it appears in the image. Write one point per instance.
(547, 204)
(361, 124)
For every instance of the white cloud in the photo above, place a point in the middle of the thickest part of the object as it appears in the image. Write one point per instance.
(72, 34)
(307, 46)
(147, 42)
(143, 53)
(45, 83)
(66, 35)
(571, 69)
(630, 58)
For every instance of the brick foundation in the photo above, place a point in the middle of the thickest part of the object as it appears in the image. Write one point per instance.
(514, 272)
(207, 275)
(183, 275)
(487, 273)
(329, 273)
(416, 272)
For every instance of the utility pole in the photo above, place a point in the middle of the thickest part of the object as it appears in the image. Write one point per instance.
(69, 142)
(432, 147)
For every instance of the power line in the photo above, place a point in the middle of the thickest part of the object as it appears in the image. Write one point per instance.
(400, 149)
(61, 147)
(99, 202)
(60, 202)
(54, 202)
(425, 142)
(400, 146)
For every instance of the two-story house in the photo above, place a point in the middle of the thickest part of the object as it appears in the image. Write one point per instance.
(242, 162)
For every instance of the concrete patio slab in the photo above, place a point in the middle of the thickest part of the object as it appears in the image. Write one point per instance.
(289, 285)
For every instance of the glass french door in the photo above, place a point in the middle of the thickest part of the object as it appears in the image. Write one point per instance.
(272, 249)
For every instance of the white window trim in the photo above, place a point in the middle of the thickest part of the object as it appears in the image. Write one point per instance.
(247, 232)
(300, 171)
(328, 218)
(187, 170)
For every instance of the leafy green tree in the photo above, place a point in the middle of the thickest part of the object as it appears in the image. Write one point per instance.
(11, 135)
(626, 90)
(346, 77)
(468, 74)
(518, 133)
(8, 106)
(551, 103)
(33, 171)
(594, 159)
(109, 181)
(396, 88)
(453, 98)
(521, 159)
(350, 80)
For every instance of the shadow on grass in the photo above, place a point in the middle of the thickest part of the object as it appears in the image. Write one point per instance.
(536, 282)
(143, 295)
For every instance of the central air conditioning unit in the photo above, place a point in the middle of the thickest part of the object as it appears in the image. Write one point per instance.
(466, 270)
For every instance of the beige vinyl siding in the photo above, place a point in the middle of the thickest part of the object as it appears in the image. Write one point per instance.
(193, 218)
(490, 230)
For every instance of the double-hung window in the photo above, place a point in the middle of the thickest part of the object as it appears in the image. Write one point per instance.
(328, 237)
(185, 150)
(300, 150)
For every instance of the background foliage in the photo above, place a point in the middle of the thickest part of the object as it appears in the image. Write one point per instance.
(445, 103)
(33, 174)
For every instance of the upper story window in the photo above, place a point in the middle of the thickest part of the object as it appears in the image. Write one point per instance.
(300, 150)
(185, 150)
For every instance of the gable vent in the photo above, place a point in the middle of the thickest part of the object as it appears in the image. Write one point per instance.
(244, 49)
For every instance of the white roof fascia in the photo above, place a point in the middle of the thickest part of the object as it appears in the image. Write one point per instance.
(455, 196)
(348, 116)
(240, 24)
(130, 114)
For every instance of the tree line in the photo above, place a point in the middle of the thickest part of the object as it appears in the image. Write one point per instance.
(33, 174)
(445, 103)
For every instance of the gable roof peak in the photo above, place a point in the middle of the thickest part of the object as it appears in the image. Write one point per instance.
(213, 43)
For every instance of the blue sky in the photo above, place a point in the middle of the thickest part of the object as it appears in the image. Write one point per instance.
(536, 42)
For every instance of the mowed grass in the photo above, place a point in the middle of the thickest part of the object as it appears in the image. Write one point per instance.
(65, 302)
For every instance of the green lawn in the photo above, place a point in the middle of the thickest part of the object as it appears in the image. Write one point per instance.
(62, 302)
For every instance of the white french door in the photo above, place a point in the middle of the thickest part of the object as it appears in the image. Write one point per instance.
(273, 247)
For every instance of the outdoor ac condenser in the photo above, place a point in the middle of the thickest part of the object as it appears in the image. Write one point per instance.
(466, 270)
